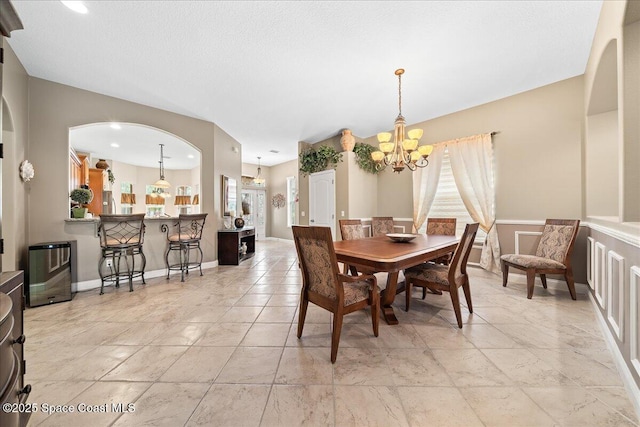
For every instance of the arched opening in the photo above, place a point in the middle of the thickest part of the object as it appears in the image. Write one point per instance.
(121, 163)
(602, 155)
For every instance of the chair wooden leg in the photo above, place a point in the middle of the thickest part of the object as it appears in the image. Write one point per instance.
(568, 276)
(424, 293)
(375, 309)
(505, 273)
(455, 300)
(543, 277)
(467, 294)
(407, 290)
(531, 277)
(335, 335)
(304, 303)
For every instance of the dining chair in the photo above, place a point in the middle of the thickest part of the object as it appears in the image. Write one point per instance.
(325, 286)
(446, 227)
(121, 236)
(553, 256)
(350, 229)
(186, 238)
(446, 278)
(381, 225)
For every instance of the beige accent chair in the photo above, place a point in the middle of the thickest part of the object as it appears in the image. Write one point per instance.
(325, 286)
(438, 277)
(553, 255)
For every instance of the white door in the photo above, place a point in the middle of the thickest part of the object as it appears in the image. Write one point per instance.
(322, 200)
(255, 202)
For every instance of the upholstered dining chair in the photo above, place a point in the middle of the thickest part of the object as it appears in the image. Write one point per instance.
(325, 286)
(446, 227)
(351, 229)
(381, 225)
(553, 256)
(449, 278)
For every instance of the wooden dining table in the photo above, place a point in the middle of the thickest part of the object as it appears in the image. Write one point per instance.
(381, 254)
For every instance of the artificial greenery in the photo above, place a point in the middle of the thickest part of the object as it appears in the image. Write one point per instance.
(363, 157)
(315, 160)
(81, 195)
(111, 177)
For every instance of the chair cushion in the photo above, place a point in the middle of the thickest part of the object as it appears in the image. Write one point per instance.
(532, 261)
(185, 238)
(429, 272)
(134, 241)
(356, 292)
(554, 242)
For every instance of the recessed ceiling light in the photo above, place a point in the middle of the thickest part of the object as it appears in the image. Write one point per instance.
(191, 156)
(115, 145)
(76, 6)
(115, 126)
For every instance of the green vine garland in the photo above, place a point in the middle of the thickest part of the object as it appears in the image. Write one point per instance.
(363, 157)
(315, 160)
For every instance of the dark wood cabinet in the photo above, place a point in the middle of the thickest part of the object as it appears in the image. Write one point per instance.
(231, 243)
(12, 361)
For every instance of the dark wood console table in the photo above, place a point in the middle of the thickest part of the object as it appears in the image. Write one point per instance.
(230, 244)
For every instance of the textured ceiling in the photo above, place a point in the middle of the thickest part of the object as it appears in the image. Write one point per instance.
(275, 73)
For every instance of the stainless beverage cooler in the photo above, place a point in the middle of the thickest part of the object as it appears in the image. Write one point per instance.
(51, 272)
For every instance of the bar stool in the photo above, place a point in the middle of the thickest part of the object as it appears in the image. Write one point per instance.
(121, 236)
(186, 238)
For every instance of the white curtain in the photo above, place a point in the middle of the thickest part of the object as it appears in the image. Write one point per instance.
(472, 167)
(425, 184)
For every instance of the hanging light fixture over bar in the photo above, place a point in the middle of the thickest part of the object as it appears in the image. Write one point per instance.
(162, 183)
(402, 151)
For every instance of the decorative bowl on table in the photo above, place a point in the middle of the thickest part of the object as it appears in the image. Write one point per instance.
(401, 237)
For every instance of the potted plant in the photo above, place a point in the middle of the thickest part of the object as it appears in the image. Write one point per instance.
(81, 196)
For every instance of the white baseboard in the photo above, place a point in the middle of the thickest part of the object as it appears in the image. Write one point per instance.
(627, 378)
(88, 285)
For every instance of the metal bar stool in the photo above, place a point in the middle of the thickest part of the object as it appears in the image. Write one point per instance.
(186, 238)
(121, 236)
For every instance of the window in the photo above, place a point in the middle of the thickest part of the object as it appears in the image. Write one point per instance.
(127, 198)
(183, 199)
(292, 199)
(448, 203)
(154, 200)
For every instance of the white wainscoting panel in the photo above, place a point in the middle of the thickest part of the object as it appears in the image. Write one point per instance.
(401, 227)
(615, 293)
(517, 235)
(634, 308)
(600, 274)
(591, 248)
(368, 228)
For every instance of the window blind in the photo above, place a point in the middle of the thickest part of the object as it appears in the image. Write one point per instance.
(448, 203)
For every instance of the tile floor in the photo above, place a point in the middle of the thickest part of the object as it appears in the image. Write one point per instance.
(221, 350)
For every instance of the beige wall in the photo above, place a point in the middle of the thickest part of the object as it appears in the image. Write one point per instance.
(54, 108)
(15, 135)
(537, 153)
(602, 148)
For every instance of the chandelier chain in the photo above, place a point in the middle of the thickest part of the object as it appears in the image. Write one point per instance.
(400, 94)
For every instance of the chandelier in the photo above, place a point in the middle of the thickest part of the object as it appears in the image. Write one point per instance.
(258, 180)
(402, 151)
(162, 183)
